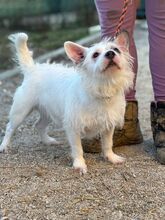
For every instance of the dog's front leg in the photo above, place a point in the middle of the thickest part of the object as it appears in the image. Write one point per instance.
(77, 152)
(107, 144)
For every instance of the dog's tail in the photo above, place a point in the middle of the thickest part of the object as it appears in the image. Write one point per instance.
(23, 54)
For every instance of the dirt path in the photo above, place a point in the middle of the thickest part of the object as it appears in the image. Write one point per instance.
(37, 181)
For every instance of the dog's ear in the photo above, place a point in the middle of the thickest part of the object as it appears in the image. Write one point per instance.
(74, 51)
(122, 39)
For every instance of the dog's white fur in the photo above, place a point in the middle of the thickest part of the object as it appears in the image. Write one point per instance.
(87, 99)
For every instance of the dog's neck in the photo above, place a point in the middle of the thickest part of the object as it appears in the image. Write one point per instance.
(100, 89)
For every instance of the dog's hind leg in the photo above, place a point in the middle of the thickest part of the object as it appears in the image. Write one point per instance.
(41, 125)
(21, 107)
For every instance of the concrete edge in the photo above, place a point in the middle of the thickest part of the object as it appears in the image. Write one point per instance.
(53, 54)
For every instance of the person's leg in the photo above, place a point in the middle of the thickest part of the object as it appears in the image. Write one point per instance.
(155, 12)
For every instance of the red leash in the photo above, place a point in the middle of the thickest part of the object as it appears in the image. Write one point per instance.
(122, 17)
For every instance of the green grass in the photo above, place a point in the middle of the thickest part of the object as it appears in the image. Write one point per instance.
(53, 39)
(39, 41)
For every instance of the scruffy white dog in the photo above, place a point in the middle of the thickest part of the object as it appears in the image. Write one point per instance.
(88, 99)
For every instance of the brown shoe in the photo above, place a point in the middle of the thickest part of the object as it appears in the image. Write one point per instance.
(158, 129)
(131, 132)
(128, 135)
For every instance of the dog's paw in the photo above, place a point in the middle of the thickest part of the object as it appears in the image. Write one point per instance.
(50, 141)
(80, 166)
(114, 158)
(3, 149)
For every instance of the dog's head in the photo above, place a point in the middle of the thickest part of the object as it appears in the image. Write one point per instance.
(102, 58)
(108, 60)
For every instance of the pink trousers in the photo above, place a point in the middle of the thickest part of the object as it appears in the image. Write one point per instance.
(109, 12)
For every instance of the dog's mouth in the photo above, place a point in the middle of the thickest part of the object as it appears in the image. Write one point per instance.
(110, 65)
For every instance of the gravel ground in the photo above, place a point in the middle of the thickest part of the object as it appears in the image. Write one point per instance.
(38, 182)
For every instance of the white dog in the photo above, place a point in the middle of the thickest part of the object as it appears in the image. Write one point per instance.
(87, 99)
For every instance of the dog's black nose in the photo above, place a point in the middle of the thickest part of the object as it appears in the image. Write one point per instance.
(110, 54)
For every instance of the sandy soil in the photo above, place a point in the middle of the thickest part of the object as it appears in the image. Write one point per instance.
(38, 182)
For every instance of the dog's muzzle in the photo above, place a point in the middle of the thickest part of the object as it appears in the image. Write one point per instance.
(110, 54)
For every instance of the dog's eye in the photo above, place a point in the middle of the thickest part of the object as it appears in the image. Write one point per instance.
(116, 49)
(95, 55)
